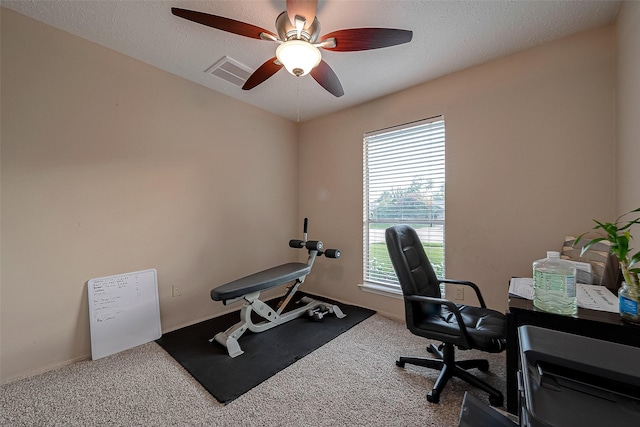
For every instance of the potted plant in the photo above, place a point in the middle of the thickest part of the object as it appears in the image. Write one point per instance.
(618, 234)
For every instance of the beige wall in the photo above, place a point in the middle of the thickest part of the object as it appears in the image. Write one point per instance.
(530, 150)
(111, 166)
(628, 112)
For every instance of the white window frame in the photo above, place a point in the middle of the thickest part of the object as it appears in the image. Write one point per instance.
(394, 159)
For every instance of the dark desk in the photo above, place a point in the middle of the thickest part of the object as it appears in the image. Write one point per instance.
(589, 323)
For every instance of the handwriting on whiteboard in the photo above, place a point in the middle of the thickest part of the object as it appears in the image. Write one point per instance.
(112, 296)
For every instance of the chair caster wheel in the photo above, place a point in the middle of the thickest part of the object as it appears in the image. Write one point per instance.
(399, 364)
(495, 400)
(433, 398)
(484, 367)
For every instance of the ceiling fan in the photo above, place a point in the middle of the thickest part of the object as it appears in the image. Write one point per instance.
(299, 41)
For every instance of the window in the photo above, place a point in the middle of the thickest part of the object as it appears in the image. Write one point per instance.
(404, 177)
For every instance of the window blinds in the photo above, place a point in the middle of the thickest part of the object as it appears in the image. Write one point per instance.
(404, 177)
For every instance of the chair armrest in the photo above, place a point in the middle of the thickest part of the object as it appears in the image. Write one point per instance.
(440, 301)
(451, 306)
(471, 285)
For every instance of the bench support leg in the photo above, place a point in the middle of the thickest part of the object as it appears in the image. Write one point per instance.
(231, 343)
(229, 338)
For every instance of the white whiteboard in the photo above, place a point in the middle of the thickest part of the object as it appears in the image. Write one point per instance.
(124, 312)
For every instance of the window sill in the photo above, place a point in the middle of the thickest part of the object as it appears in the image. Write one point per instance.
(383, 290)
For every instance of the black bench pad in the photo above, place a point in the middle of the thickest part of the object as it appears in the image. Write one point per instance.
(263, 280)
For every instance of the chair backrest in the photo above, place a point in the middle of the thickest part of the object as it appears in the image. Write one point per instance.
(410, 262)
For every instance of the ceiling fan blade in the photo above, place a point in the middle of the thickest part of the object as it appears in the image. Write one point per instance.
(305, 8)
(222, 23)
(325, 76)
(266, 70)
(355, 39)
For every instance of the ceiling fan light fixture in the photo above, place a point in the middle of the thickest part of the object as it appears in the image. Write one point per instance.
(298, 56)
(298, 50)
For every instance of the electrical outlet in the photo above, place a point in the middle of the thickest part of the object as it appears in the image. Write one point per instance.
(175, 291)
(459, 293)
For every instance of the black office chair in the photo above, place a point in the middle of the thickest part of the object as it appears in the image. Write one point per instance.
(431, 316)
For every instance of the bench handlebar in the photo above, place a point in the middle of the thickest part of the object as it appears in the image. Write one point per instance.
(304, 229)
(313, 245)
(296, 244)
(332, 253)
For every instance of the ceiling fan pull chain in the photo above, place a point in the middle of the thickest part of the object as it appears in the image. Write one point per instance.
(298, 98)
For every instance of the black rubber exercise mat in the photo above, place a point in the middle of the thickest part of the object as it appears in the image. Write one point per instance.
(265, 353)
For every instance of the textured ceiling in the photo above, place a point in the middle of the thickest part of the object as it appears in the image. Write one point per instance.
(448, 36)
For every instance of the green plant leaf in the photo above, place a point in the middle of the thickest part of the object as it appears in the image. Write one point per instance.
(575, 243)
(630, 223)
(634, 259)
(618, 235)
(622, 245)
(586, 247)
(611, 229)
(603, 225)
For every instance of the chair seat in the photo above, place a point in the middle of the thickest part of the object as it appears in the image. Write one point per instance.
(486, 327)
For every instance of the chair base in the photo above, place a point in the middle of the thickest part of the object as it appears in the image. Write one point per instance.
(448, 367)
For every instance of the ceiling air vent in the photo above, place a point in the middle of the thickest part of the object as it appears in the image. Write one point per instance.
(230, 70)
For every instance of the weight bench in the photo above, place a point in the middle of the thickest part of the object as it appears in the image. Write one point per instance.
(248, 289)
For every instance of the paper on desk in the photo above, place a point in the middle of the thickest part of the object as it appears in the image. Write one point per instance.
(521, 287)
(593, 297)
(596, 297)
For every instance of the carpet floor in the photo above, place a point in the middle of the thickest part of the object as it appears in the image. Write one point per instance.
(350, 381)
